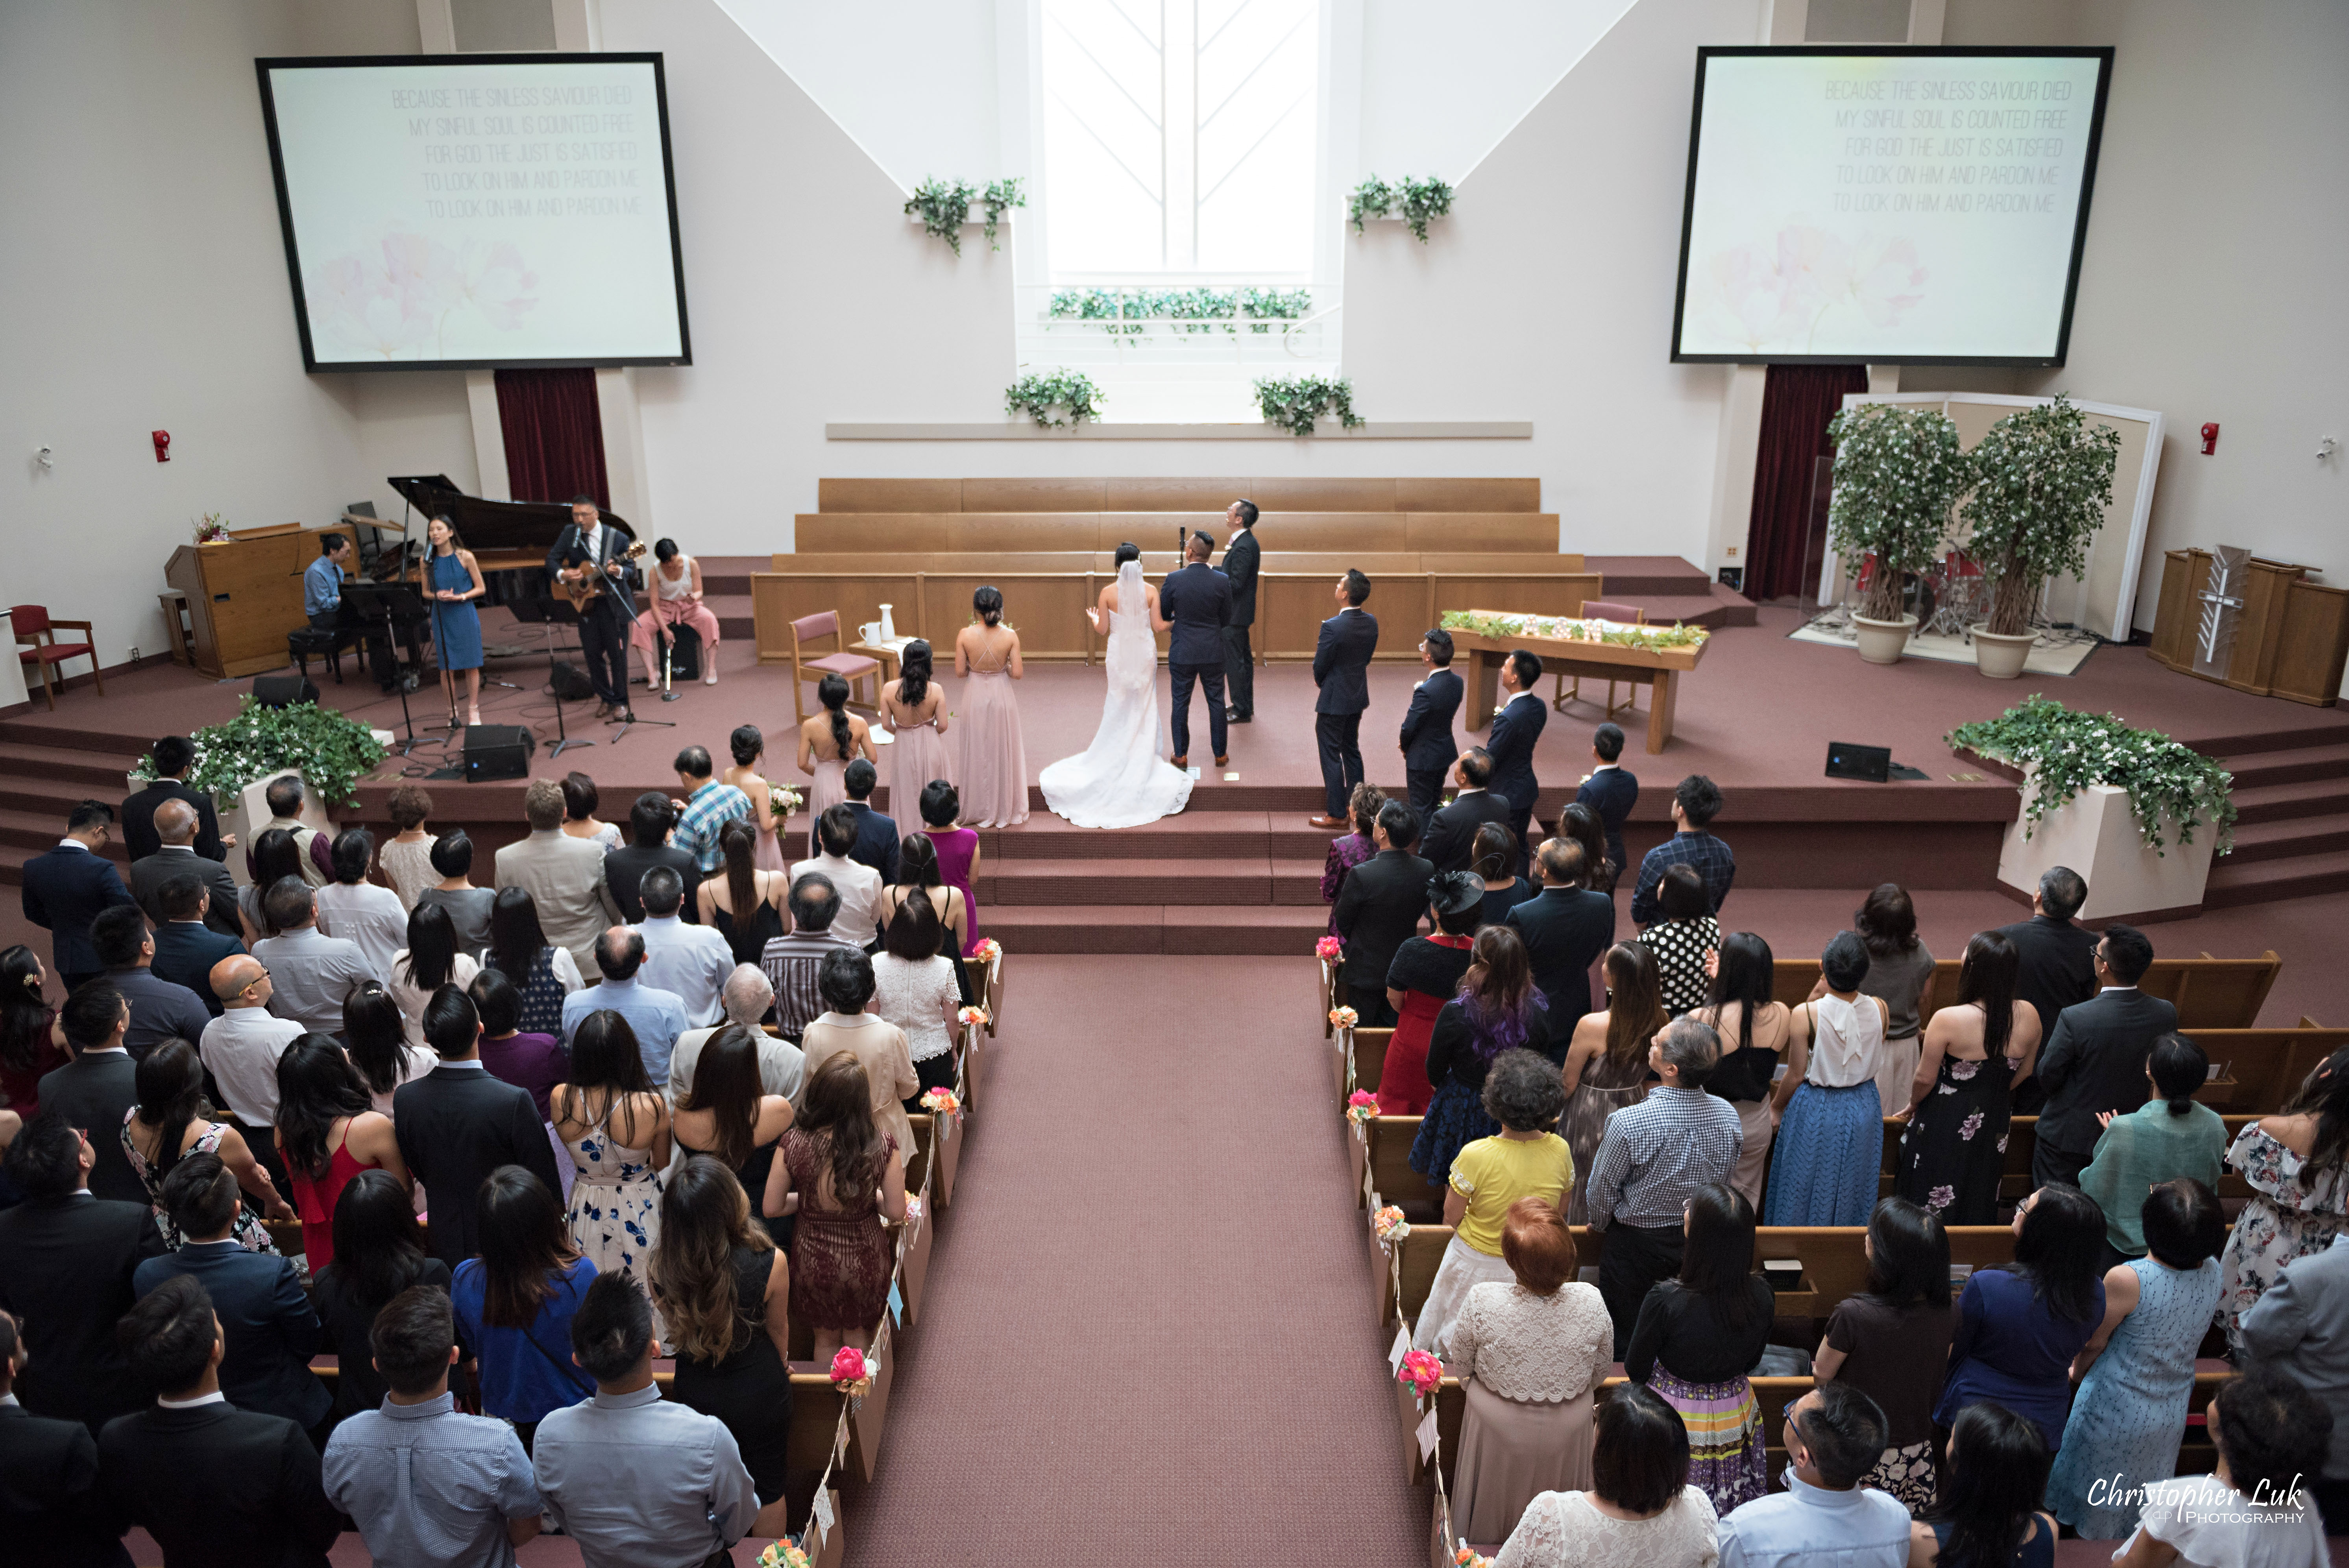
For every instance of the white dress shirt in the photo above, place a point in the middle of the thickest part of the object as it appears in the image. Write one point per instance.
(691, 960)
(242, 1046)
(859, 887)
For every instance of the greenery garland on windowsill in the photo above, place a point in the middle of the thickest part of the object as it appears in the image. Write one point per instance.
(331, 752)
(1037, 395)
(1195, 310)
(2072, 751)
(1296, 402)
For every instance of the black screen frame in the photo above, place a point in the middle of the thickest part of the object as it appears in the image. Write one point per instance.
(2102, 54)
(263, 65)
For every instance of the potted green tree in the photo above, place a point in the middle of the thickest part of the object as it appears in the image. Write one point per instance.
(1897, 471)
(2043, 479)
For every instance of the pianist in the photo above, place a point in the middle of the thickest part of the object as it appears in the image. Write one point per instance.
(322, 601)
(587, 548)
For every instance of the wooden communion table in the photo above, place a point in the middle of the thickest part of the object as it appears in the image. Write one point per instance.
(1587, 657)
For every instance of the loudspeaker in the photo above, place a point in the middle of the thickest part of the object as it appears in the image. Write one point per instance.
(570, 683)
(1871, 764)
(283, 691)
(497, 751)
(684, 655)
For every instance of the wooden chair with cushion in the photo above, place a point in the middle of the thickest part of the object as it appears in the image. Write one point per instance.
(33, 624)
(1602, 609)
(806, 667)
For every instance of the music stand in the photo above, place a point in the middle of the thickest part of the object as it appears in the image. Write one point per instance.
(389, 607)
(553, 611)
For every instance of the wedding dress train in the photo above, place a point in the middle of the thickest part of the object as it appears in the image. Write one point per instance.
(1122, 780)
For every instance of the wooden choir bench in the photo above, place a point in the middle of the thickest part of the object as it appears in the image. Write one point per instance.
(1210, 495)
(2209, 993)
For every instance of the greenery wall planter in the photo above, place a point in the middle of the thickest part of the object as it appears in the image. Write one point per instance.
(1296, 403)
(944, 207)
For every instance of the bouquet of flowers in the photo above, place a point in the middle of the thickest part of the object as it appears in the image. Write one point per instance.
(913, 1210)
(1388, 1226)
(1344, 1018)
(784, 1554)
(941, 1102)
(212, 530)
(782, 799)
(1422, 1370)
(1360, 1106)
(1328, 948)
(1469, 1557)
(986, 951)
(852, 1370)
(973, 1015)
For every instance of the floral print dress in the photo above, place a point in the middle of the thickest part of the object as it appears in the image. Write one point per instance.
(2284, 1220)
(250, 1232)
(615, 1205)
(1954, 1150)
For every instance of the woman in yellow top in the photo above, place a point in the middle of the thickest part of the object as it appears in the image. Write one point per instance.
(1527, 1159)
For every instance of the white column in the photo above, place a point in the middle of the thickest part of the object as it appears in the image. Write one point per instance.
(1925, 21)
(624, 448)
(488, 434)
(438, 25)
(1883, 380)
(1736, 449)
(578, 27)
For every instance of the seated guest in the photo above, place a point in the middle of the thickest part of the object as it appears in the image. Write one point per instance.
(1891, 1342)
(1900, 969)
(1824, 1518)
(1607, 1063)
(842, 1175)
(1695, 802)
(1493, 857)
(274, 856)
(1640, 1512)
(213, 1483)
(580, 798)
(692, 962)
(66, 1261)
(1830, 1144)
(1524, 1157)
(159, 1009)
(637, 1480)
(1531, 1354)
(918, 876)
(563, 875)
(425, 1484)
(724, 1293)
(2168, 1138)
(877, 835)
(313, 850)
(2301, 1327)
(1989, 1511)
(1753, 1028)
(66, 887)
(1423, 977)
(2254, 1509)
(1348, 850)
(1683, 935)
(2137, 1371)
(2019, 1327)
(456, 1124)
(615, 1128)
(405, 859)
(859, 885)
(310, 972)
(266, 1321)
(379, 1253)
(544, 974)
(170, 1120)
(1652, 1160)
(914, 989)
(793, 961)
(516, 1299)
(357, 910)
(1565, 927)
(1610, 790)
(1960, 1103)
(740, 902)
(1580, 824)
(374, 1035)
(651, 820)
(327, 1133)
(185, 947)
(96, 1089)
(453, 891)
(747, 999)
(429, 956)
(1448, 844)
(1697, 1336)
(1497, 1009)
(2297, 1165)
(2094, 1061)
(52, 1513)
(240, 1051)
(1378, 909)
(848, 1026)
(175, 855)
(529, 1061)
(657, 1017)
(168, 766)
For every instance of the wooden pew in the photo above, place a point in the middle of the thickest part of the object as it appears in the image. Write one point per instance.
(2259, 1069)
(1385, 1162)
(2021, 1138)
(1358, 1056)
(2209, 993)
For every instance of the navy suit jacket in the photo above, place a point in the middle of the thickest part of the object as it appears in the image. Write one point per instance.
(1515, 729)
(619, 593)
(1612, 792)
(185, 951)
(1341, 662)
(270, 1330)
(64, 892)
(138, 819)
(66, 1268)
(456, 1125)
(1240, 564)
(1565, 932)
(877, 843)
(1426, 738)
(1198, 600)
(2095, 1060)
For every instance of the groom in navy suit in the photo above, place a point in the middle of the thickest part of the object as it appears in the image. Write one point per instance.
(1516, 729)
(1197, 602)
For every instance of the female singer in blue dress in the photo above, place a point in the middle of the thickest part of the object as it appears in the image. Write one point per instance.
(453, 583)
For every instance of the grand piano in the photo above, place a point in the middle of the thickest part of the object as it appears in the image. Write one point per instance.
(503, 535)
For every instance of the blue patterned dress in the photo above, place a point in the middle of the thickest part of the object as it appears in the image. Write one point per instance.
(615, 1205)
(2131, 1411)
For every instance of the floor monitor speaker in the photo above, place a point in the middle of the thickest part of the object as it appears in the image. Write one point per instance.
(283, 691)
(497, 751)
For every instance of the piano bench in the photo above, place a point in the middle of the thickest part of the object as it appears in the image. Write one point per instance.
(308, 641)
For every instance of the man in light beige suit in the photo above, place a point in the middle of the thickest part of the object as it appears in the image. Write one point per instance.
(562, 874)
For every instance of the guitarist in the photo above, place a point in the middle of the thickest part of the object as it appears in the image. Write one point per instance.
(585, 550)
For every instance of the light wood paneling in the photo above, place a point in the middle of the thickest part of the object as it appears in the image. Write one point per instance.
(1317, 533)
(1467, 495)
(978, 561)
(1048, 609)
(1174, 495)
(776, 601)
(1290, 610)
(1032, 495)
(889, 495)
(2316, 641)
(1540, 562)
(1477, 531)
(1323, 495)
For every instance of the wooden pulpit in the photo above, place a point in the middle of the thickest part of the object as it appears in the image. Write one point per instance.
(243, 595)
(2259, 626)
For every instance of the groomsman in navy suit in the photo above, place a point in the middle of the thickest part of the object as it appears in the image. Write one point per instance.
(1427, 747)
(1610, 790)
(1516, 729)
(66, 887)
(1341, 668)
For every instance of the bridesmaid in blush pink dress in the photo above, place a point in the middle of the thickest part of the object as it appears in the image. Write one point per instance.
(958, 851)
(993, 765)
(913, 712)
(749, 745)
(828, 743)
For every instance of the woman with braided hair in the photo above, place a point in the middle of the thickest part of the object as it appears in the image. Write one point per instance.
(829, 742)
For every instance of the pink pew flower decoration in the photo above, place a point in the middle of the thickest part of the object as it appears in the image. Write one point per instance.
(853, 1369)
(975, 1016)
(1328, 949)
(1389, 1225)
(1344, 1018)
(1469, 1557)
(1422, 1370)
(988, 951)
(1360, 1106)
(913, 1210)
(941, 1102)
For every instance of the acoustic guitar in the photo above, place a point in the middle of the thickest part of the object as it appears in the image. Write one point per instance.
(589, 589)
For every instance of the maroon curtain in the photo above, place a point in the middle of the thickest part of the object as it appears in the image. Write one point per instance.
(1797, 401)
(555, 435)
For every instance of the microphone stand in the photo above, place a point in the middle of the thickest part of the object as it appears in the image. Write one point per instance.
(629, 723)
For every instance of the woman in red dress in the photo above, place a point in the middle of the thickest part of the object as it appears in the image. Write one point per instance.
(30, 1044)
(1424, 976)
(844, 1176)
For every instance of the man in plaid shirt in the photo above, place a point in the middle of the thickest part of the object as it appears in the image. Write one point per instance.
(707, 807)
(1695, 803)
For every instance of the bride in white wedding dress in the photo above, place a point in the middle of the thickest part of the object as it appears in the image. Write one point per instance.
(1122, 780)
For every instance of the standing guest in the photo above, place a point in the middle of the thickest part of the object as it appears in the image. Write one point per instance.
(379, 1253)
(616, 1127)
(405, 859)
(914, 990)
(425, 1484)
(748, 997)
(1448, 843)
(2254, 1510)
(1378, 910)
(1497, 1009)
(1606, 1068)
(1891, 1342)
(160, 1010)
(52, 1513)
(167, 764)
(876, 834)
(689, 961)
(240, 1050)
(273, 856)
(514, 1301)
(1241, 561)
(186, 948)
(66, 1260)
(65, 888)
(831, 743)
(2294, 1163)
(169, 1121)
(429, 958)
(914, 713)
(657, 1016)
(456, 1124)
(842, 1174)
(1830, 1144)
(1651, 1160)
(1960, 1104)
(1696, 801)
(724, 1290)
(1530, 1353)
(1516, 729)
(637, 1480)
(531, 1062)
(848, 1025)
(858, 884)
(1524, 1159)
(97, 1089)
(1565, 927)
(375, 1036)
(1493, 858)
(2167, 1139)
(1900, 971)
(1424, 976)
(313, 851)
(174, 855)
(212, 1482)
(2301, 1327)
(747, 747)
(678, 598)
(310, 972)
(726, 1114)
(1196, 602)
(2057, 959)
(1684, 937)
(1582, 824)
(1640, 1512)
(544, 974)
(266, 1319)
(589, 553)
(650, 821)
(1754, 1028)
(2019, 1327)
(1428, 749)
(2095, 1059)
(580, 800)
(1611, 790)
(563, 875)
(1990, 1511)
(357, 910)
(1351, 849)
(1824, 1518)
(918, 876)
(1342, 667)
(958, 852)
(329, 1132)
(791, 962)
(449, 888)
(1694, 1338)
(743, 903)
(2136, 1371)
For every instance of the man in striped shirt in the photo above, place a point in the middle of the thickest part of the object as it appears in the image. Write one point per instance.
(792, 960)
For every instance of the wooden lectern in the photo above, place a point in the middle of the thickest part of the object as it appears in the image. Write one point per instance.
(2259, 626)
(244, 595)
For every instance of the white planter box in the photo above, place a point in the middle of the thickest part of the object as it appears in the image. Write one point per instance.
(2096, 835)
(246, 814)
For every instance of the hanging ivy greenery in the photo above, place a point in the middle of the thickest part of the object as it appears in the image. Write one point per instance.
(1122, 312)
(1296, 402)
(1416, 201)
(998, 199)
(1038, 395)
(1373, 198)
(944, 207)
(2068, 752)
(331, 752)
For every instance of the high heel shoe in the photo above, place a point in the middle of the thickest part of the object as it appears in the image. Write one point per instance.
(473, 714)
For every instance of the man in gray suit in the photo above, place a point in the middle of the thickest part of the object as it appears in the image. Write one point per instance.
(175, 824)
(2300, 1323)
(563, 875)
